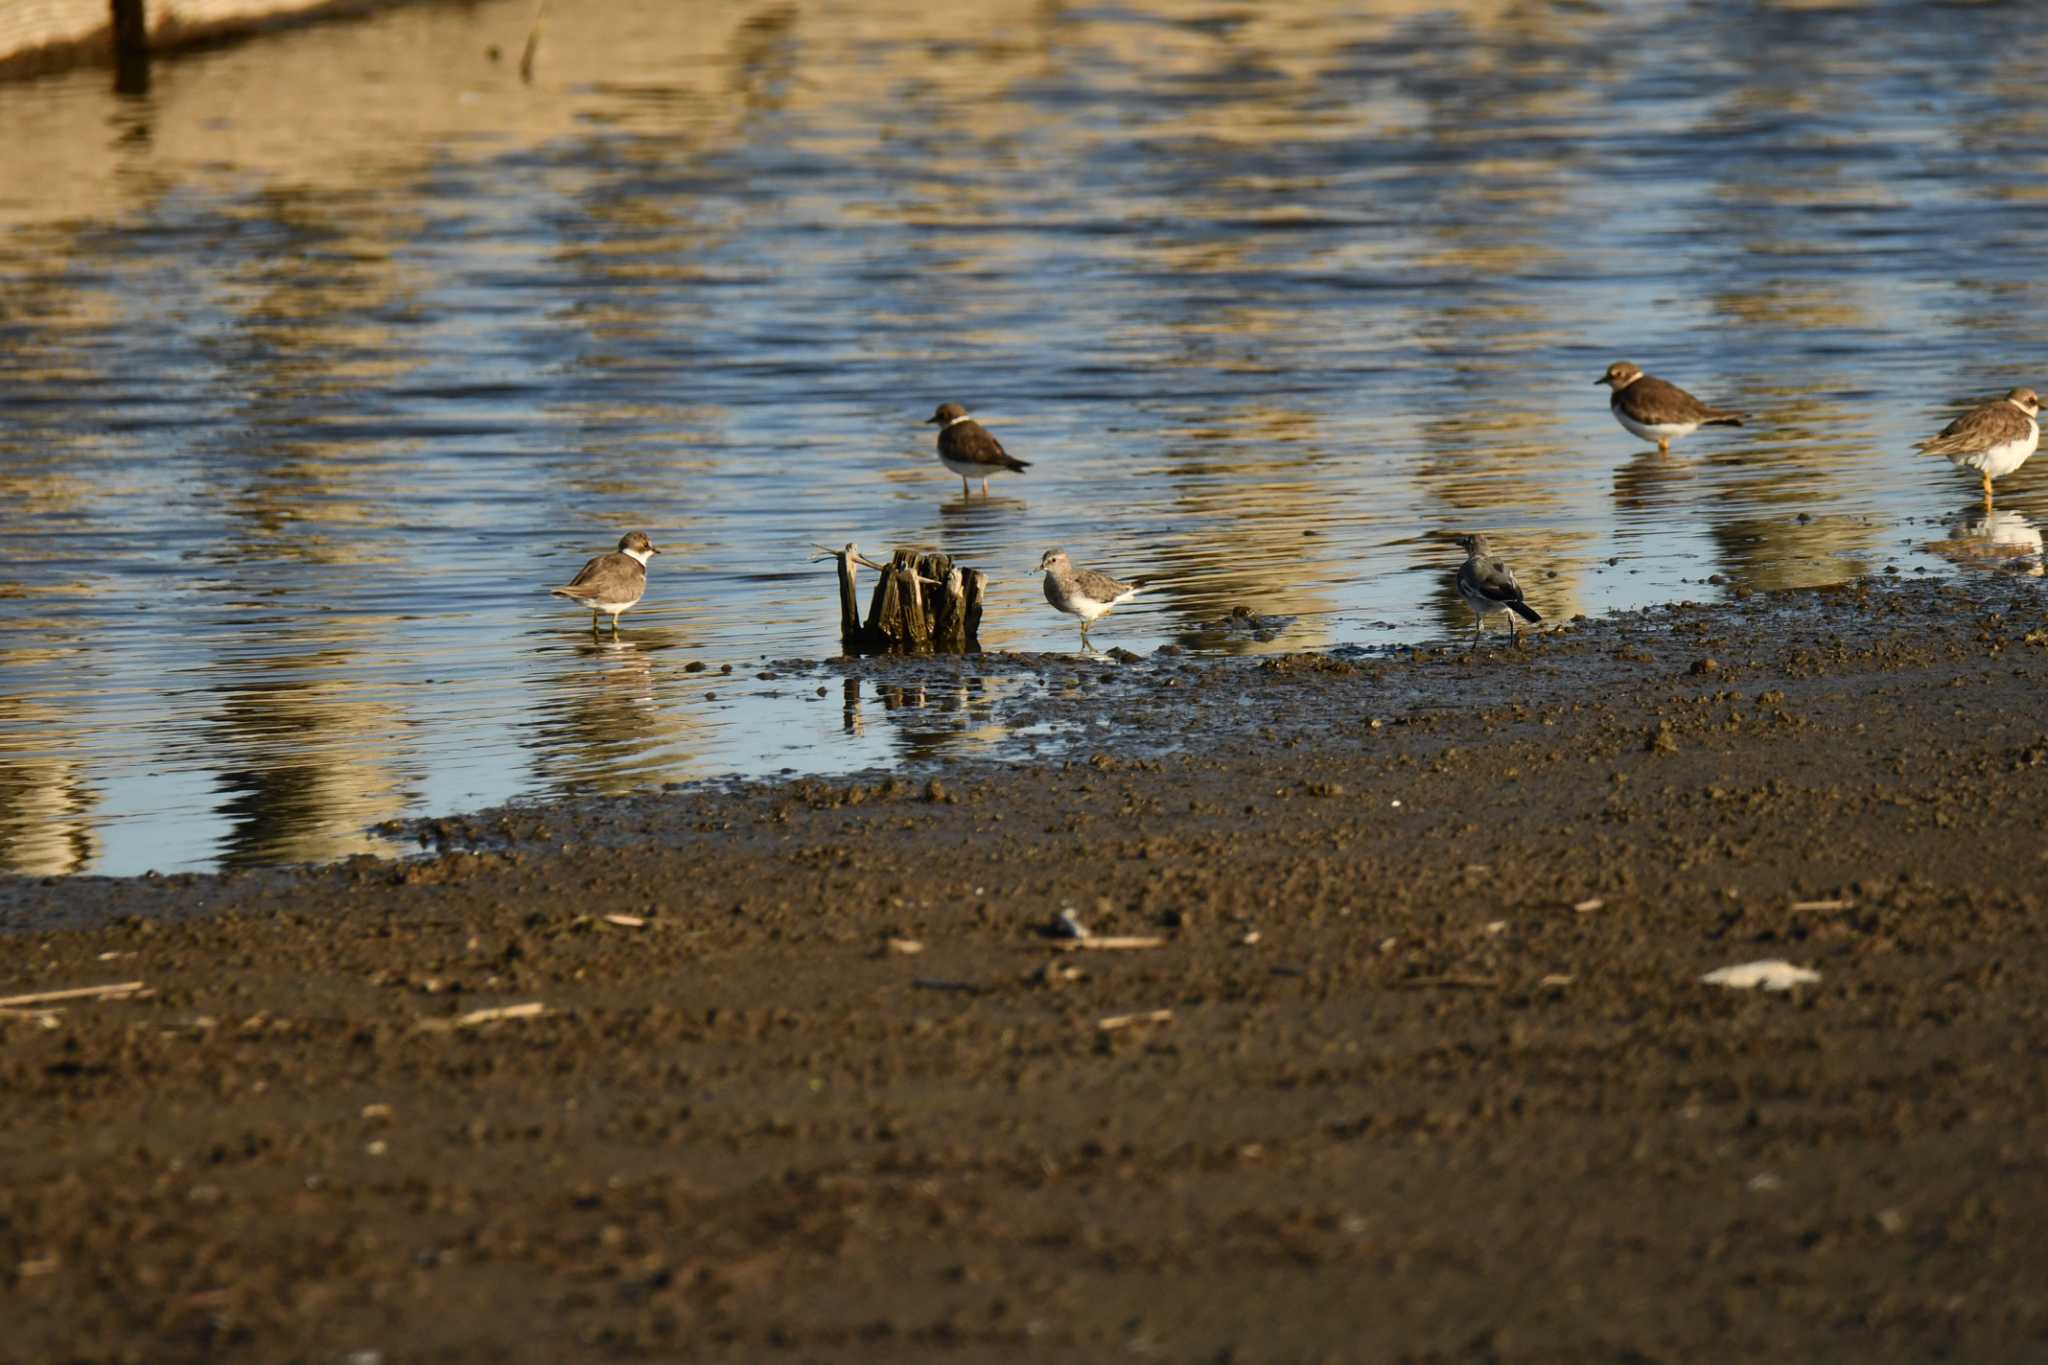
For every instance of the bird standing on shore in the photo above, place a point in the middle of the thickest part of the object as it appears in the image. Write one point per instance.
(1656, 411)
(1993, 438)
(966, 448)
(1488, 585)
(613, 582)
(1081, 592)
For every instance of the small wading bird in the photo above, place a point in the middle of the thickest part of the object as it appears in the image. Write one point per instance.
(612, 583)
(966, 448)
(1993, 438)
(1656, 411)
(1488, 585)
(1081, 592)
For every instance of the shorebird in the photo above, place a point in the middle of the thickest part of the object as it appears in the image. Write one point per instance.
(1081, 592)
(1488, 585)
(1992, 438)
(613, 582)
(966, 448)
(1656, 411)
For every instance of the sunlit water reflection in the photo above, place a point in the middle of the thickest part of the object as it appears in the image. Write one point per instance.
(321, 362)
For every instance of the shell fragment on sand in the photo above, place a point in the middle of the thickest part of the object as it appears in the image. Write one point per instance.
(1772, 974)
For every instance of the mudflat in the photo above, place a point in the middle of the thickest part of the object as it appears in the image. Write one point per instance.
(1421, 1067)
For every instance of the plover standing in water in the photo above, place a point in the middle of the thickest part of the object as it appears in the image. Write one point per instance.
(1488, 585)
(1993, 438)
(966, 448)
(1656, 411)
(1081, 592)
(613, 582)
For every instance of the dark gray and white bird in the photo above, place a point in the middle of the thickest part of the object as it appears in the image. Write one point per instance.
(1082, 592)
(612, 583)
(1656, 411)
(966, 448)
(1488, 585)
(1992, 438)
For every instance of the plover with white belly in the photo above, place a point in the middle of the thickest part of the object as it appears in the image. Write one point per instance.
(1082, 592)
(1656, 411)
(1993, 438)
(612, 583)
(966, 448)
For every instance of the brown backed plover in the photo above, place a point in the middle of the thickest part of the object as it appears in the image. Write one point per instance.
(1993, 438)
(1656, 411)
(1488, 585)
(966, 448)
(611, 583)
(1081, 592)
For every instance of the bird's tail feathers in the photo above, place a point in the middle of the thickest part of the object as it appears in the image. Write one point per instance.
(1526, 612)
(1733, 419)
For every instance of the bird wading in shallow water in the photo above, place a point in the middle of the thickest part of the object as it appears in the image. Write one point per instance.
(966, 448)
(1656, 411)
(1488, 585)
(1081, 592)
(612, 583)
(1993, 438)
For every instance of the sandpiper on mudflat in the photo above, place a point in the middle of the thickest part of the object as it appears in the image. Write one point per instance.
(1657, 411)
(613, 582)
(1488, 585)
(966, 448)
(1993, 438)
(1081, 592)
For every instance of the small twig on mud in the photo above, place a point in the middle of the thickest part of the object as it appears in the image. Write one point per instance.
(532, 1009)
(108, 992)
(932, 983)
(1588, 906)
(1106, 942)
(626, 921)
(1453, 979)
(1117, 1021)
(1823, 905)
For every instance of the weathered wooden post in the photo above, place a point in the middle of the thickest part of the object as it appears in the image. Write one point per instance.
(921, 602)
(131, 48)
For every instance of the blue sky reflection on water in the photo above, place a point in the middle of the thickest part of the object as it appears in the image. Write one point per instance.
(304, 414)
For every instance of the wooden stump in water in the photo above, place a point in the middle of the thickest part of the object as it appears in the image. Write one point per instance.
(922, 602)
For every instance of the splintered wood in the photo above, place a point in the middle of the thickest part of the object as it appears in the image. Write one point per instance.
(116, 991)
(1107, 943)
(1114, 1022)
(532, 1009)
(922, 602)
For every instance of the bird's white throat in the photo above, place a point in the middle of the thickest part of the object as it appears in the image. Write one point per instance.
(963, 417)
(641, 555)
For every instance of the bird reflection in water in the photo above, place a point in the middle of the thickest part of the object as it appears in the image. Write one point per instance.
(2004, 540)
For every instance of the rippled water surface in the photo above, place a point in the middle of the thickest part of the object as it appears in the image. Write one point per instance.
(320, 362)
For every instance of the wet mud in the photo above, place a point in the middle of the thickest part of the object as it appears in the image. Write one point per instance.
(1421, 1069)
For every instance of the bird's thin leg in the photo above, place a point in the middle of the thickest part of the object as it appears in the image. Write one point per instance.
(984, 488)
(593, 623)
(1478, 625)
(1987, 494)
(1515, 629)
(966, 491)
(615, 625)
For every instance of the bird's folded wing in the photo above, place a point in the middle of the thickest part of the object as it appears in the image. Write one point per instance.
(1099, 586)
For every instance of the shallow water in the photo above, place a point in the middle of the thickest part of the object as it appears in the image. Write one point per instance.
(323, 360)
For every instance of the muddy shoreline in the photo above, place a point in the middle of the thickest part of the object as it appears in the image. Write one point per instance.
(1439, 1080)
